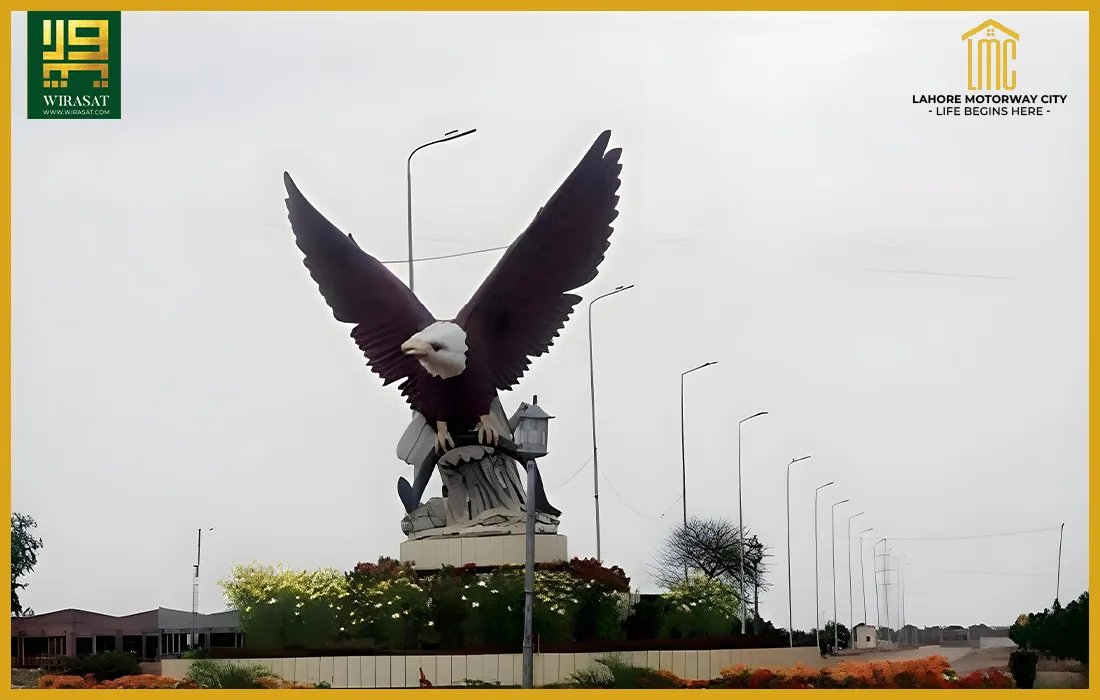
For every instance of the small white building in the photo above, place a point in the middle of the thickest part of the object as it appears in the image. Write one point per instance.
(866, 636)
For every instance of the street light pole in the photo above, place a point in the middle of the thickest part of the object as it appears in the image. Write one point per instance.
(851, 603)
(790, 582)
(592, 388)
(832, 546)
(195, 591)
(683, 450)
(817, 557)
(1058, 579)
(740, 517)
(863, 574)
(886, 584)
(449, 136)
(878, 604)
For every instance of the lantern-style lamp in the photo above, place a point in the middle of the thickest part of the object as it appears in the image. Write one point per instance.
(530, 430)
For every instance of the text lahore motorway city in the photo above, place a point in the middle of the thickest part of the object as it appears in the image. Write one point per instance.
(990, 105)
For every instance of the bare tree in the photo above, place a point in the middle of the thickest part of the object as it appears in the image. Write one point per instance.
(710, 547)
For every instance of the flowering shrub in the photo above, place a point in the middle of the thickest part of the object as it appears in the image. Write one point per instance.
(391, 604)
(394, 612)
(49, 681)
(930, 672)
(143, 681)
(128, 682)
(147, 681)
(386, 568)
(699, 607)
(591, 570)
(276, 683)
(281, 607)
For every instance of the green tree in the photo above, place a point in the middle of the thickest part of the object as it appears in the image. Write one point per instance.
(1062, 633)
(843, 634)
(24, 557)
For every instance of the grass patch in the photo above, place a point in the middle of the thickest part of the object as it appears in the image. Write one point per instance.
(228, 675)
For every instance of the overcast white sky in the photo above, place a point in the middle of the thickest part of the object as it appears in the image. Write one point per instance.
(174, 367)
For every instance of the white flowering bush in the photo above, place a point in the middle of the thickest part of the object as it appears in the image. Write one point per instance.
(699, 607)
(391, 612)
(281, 607)
(395, 608)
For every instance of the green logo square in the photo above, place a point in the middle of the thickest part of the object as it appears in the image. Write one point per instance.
(73, 61)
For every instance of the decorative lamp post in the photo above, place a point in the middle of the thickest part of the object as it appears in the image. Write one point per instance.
(530, 440)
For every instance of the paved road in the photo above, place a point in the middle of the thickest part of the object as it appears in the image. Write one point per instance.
(950, 653)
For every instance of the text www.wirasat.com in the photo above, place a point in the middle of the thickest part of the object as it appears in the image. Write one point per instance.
(76, 105)
(76, 112)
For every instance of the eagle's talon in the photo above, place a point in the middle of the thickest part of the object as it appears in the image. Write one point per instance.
(442, 437)
(485, 432)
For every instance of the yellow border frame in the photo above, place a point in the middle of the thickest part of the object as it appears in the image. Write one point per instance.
(532, 5)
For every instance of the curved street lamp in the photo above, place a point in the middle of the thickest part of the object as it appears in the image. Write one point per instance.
(862, 575)
(449, 136)
(592, 387)
(740, 510)
(683, 448)
(790, 595)
(832, 546)
(851, 605)
(817, 557)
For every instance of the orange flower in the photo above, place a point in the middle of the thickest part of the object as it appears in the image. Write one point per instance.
(669, 675)
(732, 671)
(144, 681)
(915, 673)
(55, 681)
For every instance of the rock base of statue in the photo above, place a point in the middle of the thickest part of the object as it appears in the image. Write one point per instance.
(481, 518)
(434, 553)
(482, 496)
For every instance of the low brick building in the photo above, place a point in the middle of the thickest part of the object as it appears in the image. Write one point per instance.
(151, 635)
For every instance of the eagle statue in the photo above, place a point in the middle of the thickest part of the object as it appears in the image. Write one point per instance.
(451, 370)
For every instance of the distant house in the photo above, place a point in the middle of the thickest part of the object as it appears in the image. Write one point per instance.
(150, 635)
(909, 635)
(866, 636)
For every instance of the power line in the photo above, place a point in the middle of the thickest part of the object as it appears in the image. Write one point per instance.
(444, 257)
(672, 505)
(623, 501)
(971, 537)
(635, 510)
(994, 573)
(563, 484)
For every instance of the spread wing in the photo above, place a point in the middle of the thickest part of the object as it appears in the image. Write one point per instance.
(524, 302)
(360, 290)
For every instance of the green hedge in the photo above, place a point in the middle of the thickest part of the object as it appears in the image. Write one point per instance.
(1061, 633)
(388, 606)
(105, 666)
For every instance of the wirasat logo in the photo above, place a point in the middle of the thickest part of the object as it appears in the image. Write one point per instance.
(73, 61)
(991, 51)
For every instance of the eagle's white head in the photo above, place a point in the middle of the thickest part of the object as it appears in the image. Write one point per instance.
(440, 348)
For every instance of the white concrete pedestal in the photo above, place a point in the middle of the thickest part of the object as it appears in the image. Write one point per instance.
(433, 553)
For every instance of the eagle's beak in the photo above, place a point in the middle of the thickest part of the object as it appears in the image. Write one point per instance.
(415, 347)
